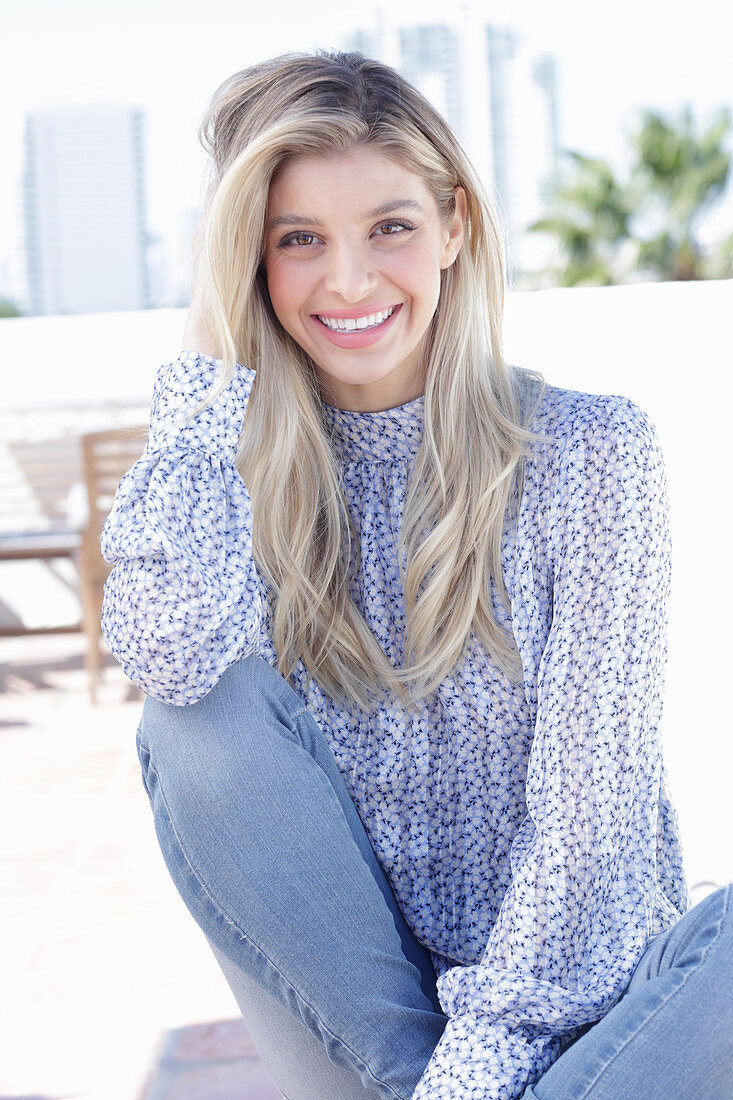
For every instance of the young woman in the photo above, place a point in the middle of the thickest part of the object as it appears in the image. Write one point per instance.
(402, 632)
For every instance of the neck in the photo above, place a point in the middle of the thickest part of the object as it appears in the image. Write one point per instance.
(386, 393)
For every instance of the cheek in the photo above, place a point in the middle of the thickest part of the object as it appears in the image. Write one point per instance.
(285, 287)
(417, 271)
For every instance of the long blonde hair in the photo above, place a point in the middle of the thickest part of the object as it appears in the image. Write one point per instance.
(470, 465)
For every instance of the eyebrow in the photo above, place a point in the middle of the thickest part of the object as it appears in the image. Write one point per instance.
(377, 212)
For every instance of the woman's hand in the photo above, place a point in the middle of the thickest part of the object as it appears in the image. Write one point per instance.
(196, 336)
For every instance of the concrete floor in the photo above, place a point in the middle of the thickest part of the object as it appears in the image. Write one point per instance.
(110, 990)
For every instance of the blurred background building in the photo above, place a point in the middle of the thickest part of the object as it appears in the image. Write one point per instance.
(86, 232)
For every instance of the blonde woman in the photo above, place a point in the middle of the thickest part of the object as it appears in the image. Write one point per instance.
(399, 611)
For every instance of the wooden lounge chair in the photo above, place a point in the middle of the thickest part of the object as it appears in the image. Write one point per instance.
(38, 527)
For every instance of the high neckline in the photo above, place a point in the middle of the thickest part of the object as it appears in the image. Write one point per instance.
(391, 435)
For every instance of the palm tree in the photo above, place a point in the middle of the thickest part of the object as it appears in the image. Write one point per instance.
(589, 220)
(9, 309)
(676, 177)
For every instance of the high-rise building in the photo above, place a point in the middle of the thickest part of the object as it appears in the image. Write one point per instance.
(86, 236)
(499, 98)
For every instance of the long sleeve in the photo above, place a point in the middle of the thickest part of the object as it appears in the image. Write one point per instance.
(585, 894)
(183, 600)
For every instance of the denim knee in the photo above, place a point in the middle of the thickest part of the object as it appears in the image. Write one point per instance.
(687, 942)
(249, 695)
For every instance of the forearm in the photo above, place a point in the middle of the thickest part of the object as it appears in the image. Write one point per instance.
(196, 337)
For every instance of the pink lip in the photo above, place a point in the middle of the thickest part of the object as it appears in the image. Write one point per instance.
(359, 338)
(346, 314)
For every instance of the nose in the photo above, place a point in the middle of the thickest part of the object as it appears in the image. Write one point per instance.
(349, 272)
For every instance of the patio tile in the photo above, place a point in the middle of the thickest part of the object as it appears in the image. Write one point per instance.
(106, 973)
(235, 1081)
(221, 1039)
(212, 1061)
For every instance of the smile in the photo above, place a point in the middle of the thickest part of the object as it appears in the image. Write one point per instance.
(352, 324)
(355, 333)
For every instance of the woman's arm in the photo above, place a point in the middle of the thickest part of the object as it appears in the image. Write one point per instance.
(183, 600)
(585, 894)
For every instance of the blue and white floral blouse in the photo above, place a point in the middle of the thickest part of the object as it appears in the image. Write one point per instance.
(525, 827)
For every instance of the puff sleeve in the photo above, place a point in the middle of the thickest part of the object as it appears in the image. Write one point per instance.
(183, 599)
(585, 894)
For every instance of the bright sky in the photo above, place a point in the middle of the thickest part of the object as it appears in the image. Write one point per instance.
(169, 56)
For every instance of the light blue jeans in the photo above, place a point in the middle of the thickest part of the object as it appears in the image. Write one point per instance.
(268, 852)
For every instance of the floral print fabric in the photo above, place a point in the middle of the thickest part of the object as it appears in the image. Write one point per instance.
(525, 827)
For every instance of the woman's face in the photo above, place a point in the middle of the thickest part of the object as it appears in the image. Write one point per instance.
(357, 239)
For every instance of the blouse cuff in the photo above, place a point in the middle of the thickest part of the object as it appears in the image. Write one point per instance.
(479, 1060)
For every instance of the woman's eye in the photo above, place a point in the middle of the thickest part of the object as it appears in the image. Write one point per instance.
(300, 239)
(393, 229)
(305, 240)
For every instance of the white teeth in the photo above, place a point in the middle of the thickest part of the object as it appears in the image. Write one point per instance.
(350, 324)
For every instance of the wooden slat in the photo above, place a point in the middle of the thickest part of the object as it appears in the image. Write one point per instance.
(17, 631)
(39, 545)
(49, 468)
